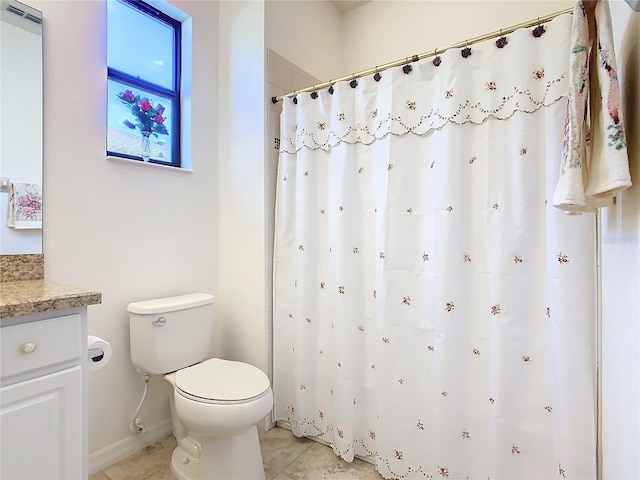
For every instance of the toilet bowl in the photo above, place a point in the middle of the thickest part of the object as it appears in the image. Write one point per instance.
(216, 403)
(220, 439)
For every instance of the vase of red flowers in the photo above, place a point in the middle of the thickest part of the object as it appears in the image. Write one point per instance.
(148, 119)
(145, 146)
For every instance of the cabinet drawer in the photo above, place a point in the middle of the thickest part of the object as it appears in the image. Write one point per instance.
(35, 345)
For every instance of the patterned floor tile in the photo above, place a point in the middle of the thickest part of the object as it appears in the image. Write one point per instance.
(285, 457)
(320, 463)
(142, 464)
(99, 476)
(279, 448)
(164, 473)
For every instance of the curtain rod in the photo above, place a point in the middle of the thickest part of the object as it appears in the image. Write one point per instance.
(421, 56)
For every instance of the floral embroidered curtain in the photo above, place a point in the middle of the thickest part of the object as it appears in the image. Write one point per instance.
(433, 313)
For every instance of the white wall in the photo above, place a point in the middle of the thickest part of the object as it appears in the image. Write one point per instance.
(242, 241)
(387, 30)
(621, 276)
(131, 231)
(307, 33)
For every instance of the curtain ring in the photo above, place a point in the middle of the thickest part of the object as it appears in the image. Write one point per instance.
(466, 51)
(539, 30)
(436, 59)
(377, 76)
(502, 41)
(331, 90)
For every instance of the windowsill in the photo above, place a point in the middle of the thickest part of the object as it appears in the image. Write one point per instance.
(152, 165)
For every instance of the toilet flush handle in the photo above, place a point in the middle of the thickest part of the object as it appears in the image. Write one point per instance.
(160, 322)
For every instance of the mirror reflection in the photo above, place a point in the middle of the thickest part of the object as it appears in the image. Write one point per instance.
(20, 128)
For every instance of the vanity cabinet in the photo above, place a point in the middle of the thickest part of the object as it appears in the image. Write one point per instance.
(43, 424)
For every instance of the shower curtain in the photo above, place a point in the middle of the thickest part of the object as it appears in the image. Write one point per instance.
(433, 313)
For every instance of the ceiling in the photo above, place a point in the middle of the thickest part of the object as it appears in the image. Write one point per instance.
(347, 5)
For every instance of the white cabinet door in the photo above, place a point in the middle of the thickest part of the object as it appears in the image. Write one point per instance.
(41, 428)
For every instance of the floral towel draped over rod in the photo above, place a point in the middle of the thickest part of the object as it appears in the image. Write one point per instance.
(433, 312)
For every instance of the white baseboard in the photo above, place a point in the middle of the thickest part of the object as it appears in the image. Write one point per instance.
(122, 449)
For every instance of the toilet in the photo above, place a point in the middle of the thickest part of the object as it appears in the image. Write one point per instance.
(216, 403)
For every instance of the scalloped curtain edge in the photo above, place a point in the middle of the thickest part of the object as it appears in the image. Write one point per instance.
(387, 131)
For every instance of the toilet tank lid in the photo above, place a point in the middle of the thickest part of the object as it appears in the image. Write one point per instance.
(170, 304)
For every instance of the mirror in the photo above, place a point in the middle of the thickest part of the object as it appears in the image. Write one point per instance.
(20, 128)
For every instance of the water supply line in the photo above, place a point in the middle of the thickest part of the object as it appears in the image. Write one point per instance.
(136, 425)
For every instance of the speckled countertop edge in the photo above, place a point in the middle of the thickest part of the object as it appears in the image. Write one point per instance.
(37, 296)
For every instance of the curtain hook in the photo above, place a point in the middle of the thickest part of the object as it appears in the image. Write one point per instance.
(314, 94)
(353, 83)
(377, 76)
(466, 51)
(331, 90)
(539, 30)
(436, 60)
(502, 41)
(295, 97)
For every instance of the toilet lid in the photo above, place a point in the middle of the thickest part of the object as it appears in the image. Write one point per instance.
(222, 380)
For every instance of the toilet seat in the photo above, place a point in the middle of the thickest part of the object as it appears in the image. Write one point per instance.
(218, 381)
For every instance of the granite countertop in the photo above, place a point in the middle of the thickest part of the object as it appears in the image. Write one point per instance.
(36, 296)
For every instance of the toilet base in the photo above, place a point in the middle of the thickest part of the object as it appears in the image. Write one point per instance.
(229, 458)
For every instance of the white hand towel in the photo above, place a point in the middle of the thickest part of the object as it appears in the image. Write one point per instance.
(25, 206)
(595, 165)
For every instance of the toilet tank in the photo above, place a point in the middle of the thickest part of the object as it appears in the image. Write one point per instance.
(171, 333)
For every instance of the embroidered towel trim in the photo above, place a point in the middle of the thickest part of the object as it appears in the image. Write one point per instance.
(594, 165)
(25, 206)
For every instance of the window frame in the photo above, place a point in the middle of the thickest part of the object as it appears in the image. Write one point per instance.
(174, 94)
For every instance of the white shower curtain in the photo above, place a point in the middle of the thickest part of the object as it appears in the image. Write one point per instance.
(432, 313)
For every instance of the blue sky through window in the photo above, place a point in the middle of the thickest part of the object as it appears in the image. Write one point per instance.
(140, 45)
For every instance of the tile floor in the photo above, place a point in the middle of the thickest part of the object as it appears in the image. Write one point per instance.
(285, 457)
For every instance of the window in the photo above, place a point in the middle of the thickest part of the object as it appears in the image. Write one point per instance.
(143, 83)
